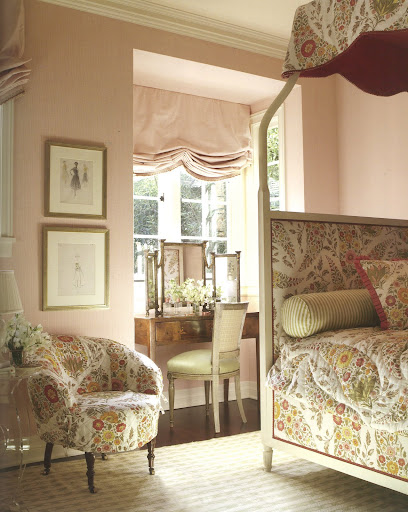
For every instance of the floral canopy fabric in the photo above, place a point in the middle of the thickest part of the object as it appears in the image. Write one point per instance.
(366, 41)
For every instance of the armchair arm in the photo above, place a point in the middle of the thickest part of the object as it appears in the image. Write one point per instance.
(134, 371)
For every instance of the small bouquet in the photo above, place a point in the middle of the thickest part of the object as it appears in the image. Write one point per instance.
(21, 335)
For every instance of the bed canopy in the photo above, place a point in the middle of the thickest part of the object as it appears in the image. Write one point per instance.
(365, 41)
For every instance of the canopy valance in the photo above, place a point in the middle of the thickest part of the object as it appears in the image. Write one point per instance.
(13, 72)
(366, 41)
(209, 137)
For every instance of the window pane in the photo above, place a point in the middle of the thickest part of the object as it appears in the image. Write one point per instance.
(217, 221)
(217, 246)
(190, 187)
(273, 167)
(145, 216)
(145, 186)
(139, 245)
(216, 191)
(191, 223)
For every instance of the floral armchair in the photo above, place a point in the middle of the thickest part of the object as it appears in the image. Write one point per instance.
(97, 396)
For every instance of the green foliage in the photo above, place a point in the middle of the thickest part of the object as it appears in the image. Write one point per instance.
(273, 153)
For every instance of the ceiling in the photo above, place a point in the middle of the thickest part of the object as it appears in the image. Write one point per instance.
(272, 17)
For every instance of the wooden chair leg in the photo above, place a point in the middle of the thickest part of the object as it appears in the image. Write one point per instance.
(216, 405)
(239, 399)
(104, 456)
(207, 397)
(47, 458)
(150, 455)
(171, 398)
(90, 464)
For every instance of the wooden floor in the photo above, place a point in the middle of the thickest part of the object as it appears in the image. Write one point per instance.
(191, 424)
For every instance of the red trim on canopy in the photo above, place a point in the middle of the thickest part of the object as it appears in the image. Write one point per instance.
(376, 62)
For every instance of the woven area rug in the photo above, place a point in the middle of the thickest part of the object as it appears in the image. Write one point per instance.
(219, 475)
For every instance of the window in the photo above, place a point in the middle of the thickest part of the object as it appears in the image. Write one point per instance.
(178, 207)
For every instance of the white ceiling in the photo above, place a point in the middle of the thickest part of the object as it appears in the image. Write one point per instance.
(273, 17)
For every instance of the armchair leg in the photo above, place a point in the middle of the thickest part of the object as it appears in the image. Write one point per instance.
(207, 397)
(150, 455)
(171, 398)
(47, 458)
(90, 463)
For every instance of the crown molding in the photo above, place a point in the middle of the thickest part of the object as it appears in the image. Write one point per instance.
(170, 19)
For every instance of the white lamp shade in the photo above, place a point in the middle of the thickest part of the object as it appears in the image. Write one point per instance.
(10, 301)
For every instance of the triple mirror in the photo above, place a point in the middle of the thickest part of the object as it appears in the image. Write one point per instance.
(176, 262)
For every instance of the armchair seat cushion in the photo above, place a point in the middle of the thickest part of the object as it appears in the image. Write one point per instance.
(198, 362)
(114, 421)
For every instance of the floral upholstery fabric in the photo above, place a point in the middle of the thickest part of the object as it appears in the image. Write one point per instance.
(323, 29)
(95, 394)
(387, 282)
(314, 257)
(364, 368)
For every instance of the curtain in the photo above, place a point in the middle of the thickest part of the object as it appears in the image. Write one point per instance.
(13, 73)
(210, 138)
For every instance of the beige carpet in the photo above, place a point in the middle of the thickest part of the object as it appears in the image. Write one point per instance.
(219, 475)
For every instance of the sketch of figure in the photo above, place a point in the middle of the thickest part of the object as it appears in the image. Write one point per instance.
(78, 276)
(75, 183)
(85, 176)
(65, 173)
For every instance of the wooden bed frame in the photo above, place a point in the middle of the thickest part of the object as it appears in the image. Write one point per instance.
(266, 345)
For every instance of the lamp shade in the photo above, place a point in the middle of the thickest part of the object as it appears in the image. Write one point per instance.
(10, 301)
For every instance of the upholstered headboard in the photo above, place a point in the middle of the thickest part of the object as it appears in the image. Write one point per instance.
(311, 254)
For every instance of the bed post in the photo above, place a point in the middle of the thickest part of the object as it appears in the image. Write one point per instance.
(265, 274)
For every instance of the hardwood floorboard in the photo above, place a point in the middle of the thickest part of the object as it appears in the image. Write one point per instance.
(191, 424)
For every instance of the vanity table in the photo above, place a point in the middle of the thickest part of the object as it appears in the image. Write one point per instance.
(156, 331)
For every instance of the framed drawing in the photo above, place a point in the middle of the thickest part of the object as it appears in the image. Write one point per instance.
(75, 268)
(75, 181)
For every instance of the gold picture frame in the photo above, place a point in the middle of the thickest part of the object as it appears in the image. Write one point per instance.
(75, 268)
(75, 180)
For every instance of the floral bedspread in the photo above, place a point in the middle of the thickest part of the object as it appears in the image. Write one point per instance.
(365, 369)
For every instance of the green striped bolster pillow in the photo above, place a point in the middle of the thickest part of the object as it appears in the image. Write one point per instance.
(304, 315)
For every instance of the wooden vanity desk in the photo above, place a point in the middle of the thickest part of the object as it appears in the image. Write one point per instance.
(153, 332)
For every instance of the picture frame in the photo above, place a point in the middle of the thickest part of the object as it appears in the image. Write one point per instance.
(75, 180)
(75, 268)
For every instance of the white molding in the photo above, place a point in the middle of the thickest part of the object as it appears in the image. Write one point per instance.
(191, 397)
(170, 19)
(6, 178)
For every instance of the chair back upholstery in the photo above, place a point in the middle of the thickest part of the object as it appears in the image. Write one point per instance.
(229, 318)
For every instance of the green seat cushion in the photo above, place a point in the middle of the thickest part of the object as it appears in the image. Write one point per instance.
(198, 362)
(308, 314)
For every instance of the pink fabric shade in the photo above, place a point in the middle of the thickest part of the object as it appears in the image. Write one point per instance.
(210, 138)
(13, 72)
(366, 41)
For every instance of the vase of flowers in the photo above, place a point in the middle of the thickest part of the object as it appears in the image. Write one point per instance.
(21, 337)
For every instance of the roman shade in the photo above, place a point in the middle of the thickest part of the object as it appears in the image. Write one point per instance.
(13, 72)
(209, 137)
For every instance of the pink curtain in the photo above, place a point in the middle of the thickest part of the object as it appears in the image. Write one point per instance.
(13, 73)
(210, 138)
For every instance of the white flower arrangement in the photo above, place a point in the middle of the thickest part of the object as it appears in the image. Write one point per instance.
(191, 291)
(21, 335)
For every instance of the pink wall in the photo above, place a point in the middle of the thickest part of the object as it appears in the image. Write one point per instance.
(81, 91)
(320, 145)
(373, 153)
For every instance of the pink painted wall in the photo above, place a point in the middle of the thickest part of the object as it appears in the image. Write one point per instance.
(373, 153)
(81, 91)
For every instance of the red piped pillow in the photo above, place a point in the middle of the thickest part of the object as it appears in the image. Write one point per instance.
(387, 283)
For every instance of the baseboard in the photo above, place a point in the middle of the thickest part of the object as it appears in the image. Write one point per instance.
(191, 397)
(187, 397)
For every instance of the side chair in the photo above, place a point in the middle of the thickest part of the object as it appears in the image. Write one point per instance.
(211, 365)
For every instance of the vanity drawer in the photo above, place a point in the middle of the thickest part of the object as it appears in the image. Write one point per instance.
(183, 331)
